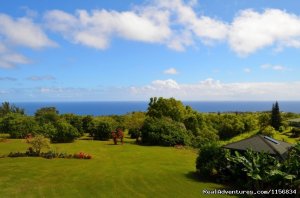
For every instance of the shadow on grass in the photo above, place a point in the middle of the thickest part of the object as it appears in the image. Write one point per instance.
(228, 187)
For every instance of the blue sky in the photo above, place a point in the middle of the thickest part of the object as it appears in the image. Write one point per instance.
(132, 50)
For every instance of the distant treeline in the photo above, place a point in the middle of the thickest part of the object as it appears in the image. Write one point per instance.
(167, 122)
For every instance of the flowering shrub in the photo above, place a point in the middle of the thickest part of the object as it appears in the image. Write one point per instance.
(82, 155)
(50, 155)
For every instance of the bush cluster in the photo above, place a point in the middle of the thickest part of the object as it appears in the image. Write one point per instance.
(251, 170)
(50, 155)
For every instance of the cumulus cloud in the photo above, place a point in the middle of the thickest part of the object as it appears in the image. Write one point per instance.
(178, 25)
(41, 78)
(95, 28)
(23, 32)
(273, 67)
(9, 59)
(211, 89)
(171, 71)
(19, 32)
(251, 30)
(152, 23)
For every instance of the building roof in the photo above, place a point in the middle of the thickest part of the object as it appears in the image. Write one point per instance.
(260, 143)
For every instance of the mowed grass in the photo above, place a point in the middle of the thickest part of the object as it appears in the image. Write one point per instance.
(127, 170)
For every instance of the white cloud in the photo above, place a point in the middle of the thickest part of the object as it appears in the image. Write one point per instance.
(171, 71)
(211, 89)
(41, 78)
(251, 30)
(23, 32)
(95, 29)
(19, 32)
(178, 25)
(152, 23)
(247, 70)
(10, 59)
(273, 67)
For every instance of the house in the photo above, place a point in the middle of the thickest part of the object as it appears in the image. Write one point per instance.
(261, 143)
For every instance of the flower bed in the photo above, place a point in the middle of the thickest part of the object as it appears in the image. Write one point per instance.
(51, 155)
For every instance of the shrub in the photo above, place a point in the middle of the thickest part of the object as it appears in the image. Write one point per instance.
(281, 129)
(259, 170)
(82, 155)
(102, 131)
(37, 143)
(134, 133)
(204, 136)
(18, 126)
(268, 131)
(211, 160)
(164, 132)
(296, 132)
(64, 132)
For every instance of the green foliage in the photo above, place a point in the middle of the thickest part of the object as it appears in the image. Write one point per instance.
(75, 121)
(134, 133)
(211, 160)
(250, 122)
(281, 129)
(230, 125)
(48, 130)
(276, 116)
(164, 131)
(38, 142)
(161, 107)
(296, 132)
(6, 108)
(18, 125)
(204, 136)
(134, 121)
(264, 120)
(292, 163)
(268, 131)
(260, 170)
(64, 132)
(102, 130)
(47, 115)
(86, 122)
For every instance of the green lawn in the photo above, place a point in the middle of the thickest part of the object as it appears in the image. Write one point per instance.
(127, 170)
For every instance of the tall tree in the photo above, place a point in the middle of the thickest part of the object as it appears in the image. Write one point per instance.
(275, 116)
(6, 108)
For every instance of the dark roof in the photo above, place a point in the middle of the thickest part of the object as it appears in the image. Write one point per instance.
(260, 143)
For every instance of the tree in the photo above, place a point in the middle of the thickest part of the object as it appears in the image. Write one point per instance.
(264, 120)
(211, 160)
(103, 131)
(75, 121)
(268, 131)
(6, 108)
(18, 125)
(275, 116)
(86, 122)
(162, 107)
(46, 115)
(38, 142)
(164, 131)
(64, 132)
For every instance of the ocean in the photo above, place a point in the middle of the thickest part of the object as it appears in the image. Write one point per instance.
(119, 108)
